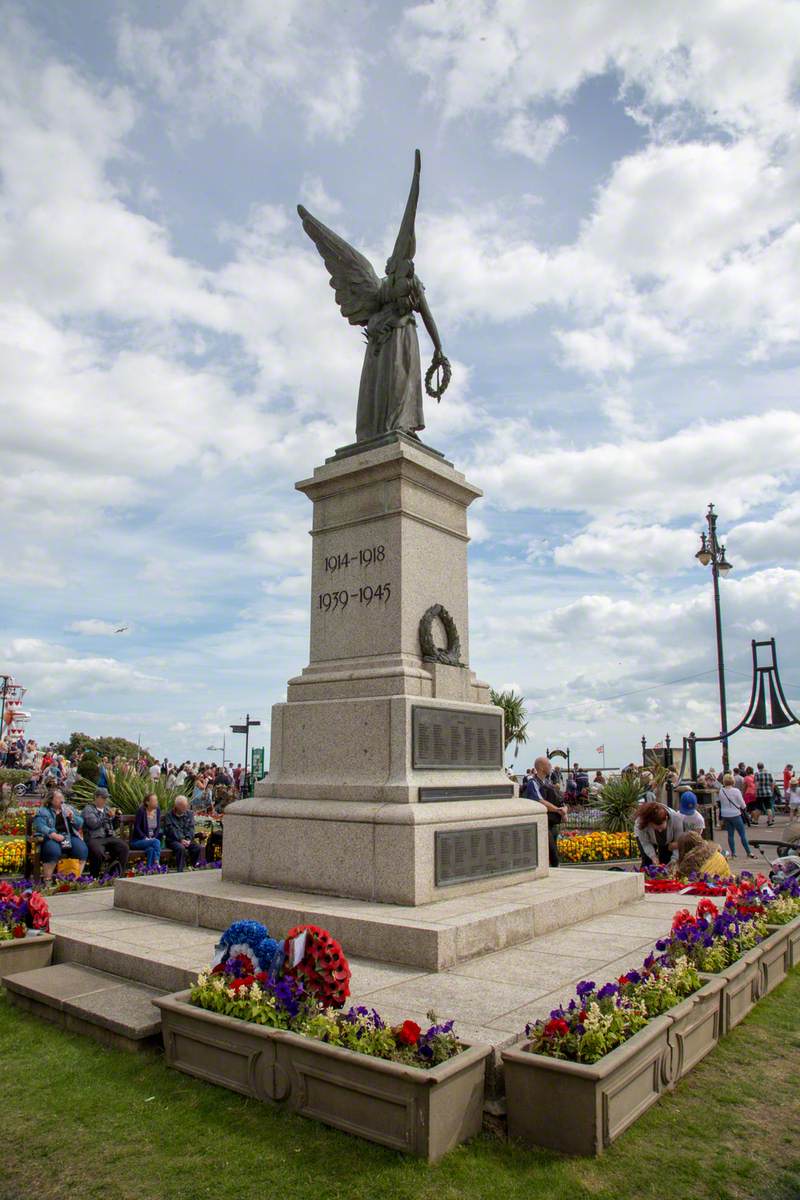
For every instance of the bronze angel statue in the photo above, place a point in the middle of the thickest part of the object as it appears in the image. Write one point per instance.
(390, 393)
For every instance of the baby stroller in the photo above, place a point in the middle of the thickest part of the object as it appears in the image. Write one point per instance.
(786, 863)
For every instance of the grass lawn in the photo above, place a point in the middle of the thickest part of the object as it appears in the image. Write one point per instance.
(84, 1121)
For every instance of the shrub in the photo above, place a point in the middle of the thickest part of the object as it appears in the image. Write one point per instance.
(618, 802)
(127, 790)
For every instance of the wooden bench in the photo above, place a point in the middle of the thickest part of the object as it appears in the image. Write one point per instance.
(32, 863)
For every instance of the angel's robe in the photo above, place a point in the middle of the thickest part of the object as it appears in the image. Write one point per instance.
(390, 392)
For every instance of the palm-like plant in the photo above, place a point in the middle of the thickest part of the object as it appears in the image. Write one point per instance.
(515, 725)
(618, 801)
(127, 790)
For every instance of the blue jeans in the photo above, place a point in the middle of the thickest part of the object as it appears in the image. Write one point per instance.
(52, 851)
(736, 825)
(153, 848)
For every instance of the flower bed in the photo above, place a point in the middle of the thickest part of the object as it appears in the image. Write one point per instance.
(62, 884)
(267, 1019)
(12, 855)
(25, 941)
(599, 1062)
(596, 1064)
(12, 823)
(576, 846)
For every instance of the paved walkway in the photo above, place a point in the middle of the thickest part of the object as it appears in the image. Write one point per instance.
(491, 997)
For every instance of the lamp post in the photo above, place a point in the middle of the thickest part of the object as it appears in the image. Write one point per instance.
(713, 554)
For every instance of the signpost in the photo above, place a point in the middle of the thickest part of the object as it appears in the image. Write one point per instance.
(245, 729)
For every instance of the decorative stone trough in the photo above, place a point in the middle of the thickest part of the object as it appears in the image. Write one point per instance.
(792, 931)
(774, 958)
(26, 954)
(581, 1108)
(742, 989)
(420, 1112)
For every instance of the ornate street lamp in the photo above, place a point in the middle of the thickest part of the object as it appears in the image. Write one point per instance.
(713, 554)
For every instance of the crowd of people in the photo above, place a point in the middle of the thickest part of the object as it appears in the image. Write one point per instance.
(667, 835)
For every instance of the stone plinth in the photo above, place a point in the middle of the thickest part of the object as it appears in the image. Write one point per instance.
(386, 767)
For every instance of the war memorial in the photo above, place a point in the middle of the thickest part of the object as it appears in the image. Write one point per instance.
(388, 831)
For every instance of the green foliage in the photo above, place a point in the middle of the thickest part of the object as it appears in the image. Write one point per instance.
(13, 776)
(139, 1103)
(619, 800)
(103, 747)
(127, 790)
(89, 768)
(515, 725)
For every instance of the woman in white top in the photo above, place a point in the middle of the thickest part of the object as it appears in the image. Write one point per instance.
(731, 810)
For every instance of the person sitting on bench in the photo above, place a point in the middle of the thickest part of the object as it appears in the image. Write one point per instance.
(59, 826)
(179, 834)
(101, 824)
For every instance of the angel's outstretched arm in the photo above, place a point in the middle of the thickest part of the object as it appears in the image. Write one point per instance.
(428, 321)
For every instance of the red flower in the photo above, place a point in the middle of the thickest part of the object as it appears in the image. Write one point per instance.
(39, 911)
(556, 1028)
(245, 981)
(623, 979)
(408, 1033)
(6, 890)
(582, 1015)
(19, 931)
(261, 976)
(707, 908)
(681, 918)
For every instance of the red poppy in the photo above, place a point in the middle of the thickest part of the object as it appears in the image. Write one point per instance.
(39, 911)
(681, 918)
(408, 1033)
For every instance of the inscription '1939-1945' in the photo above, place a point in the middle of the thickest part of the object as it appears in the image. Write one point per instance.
(366, 595)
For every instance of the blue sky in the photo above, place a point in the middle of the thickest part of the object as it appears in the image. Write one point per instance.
(609, 239)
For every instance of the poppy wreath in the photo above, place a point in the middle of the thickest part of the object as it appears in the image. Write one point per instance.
(323, 969)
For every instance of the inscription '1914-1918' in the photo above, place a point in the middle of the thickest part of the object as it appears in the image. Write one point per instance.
(364, 557)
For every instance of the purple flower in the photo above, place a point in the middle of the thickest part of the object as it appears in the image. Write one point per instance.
(608, 989)
(584, 988)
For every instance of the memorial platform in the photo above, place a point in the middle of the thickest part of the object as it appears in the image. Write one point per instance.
(433, 937)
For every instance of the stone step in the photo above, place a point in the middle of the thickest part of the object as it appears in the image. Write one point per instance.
(433, 937)
(110, 1009)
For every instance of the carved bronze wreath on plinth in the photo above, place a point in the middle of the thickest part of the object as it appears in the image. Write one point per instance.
(450, 654)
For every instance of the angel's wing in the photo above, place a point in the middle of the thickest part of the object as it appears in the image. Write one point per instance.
(406, 245)
(356, 285)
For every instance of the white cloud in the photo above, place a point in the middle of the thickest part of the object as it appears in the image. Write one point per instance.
(240, 59)
(664, 479)
(179, 727)
(51, 671)
(627, 549)
(533, 139)
(94, 627)
(734, 65)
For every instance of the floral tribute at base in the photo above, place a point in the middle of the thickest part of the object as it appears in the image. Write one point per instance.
(301, 984)
(21, 911)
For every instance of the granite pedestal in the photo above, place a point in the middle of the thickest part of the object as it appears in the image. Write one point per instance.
(386, 778)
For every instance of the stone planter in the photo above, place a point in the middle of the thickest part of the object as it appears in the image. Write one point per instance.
(742, 989)
(792, 934)
(420, 1112)
(774, 958)
(578, 1108)
(25, 954)
(696, 1028)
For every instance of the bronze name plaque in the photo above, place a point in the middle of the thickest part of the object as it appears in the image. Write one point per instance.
(449, 738)
(465, 854)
